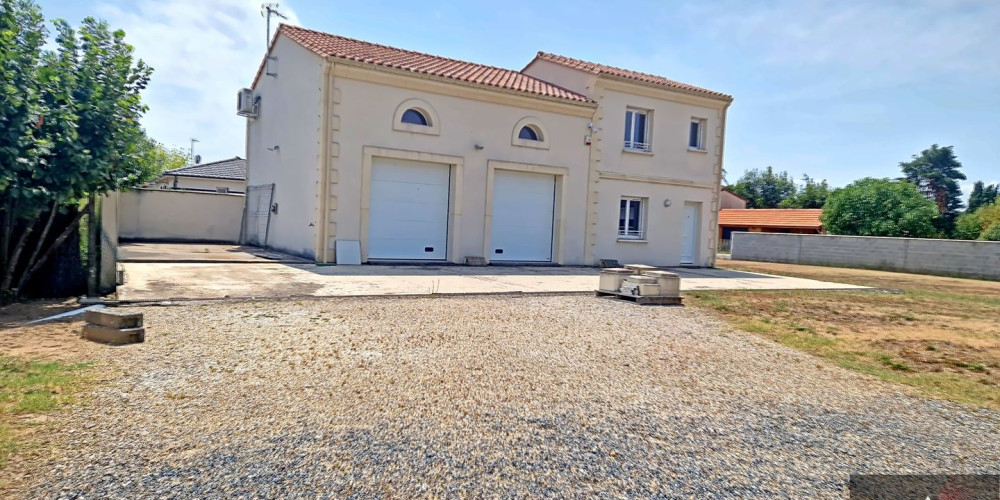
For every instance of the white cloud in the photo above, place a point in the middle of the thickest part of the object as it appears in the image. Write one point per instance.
(202, 52)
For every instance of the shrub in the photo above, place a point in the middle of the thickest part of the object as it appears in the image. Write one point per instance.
(991, 233)
(880, 207)
(968, 226)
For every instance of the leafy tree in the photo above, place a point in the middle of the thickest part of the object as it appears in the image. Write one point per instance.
(968, 226)
(989, 215)
(70, 131)
(879, 207)
(991, 233)
(983, 195)
(764, 189)
(936, 172)
(156, 158)
(812, 195)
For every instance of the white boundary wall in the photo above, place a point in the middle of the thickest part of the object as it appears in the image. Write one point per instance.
(962, 258)
(171, 215)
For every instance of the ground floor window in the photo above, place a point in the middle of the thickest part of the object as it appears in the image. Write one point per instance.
(630, 218)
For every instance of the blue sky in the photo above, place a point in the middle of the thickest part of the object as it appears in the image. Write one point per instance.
(835, 89)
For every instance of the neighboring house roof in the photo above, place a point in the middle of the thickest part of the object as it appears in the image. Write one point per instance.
(329, 45)
(805, 218)
(611, 71)
(234, 168)
(734, 194)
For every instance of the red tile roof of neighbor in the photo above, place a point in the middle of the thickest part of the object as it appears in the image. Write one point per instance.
(771, 217)
(328, 45)
(605, 70)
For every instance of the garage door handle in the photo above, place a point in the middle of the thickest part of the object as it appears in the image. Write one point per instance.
(499, 250)
(428, 249)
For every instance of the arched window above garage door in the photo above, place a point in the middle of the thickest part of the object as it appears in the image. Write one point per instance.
(529, 132)
(418, 116)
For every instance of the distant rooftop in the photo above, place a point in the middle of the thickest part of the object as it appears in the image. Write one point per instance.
(234, 168)
(804, 218)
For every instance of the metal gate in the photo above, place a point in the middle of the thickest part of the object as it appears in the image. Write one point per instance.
(258, 219)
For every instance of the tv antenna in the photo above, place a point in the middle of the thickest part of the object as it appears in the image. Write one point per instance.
(267, 10)
(191, 151)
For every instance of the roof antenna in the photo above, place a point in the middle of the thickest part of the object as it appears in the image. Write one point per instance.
(267, 10)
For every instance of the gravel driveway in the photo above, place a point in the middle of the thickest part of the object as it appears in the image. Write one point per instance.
(538, 396)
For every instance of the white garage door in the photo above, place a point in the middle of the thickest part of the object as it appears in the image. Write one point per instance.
(523, 204)
(408, 219)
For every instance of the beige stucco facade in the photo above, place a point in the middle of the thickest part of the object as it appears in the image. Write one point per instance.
(322, 123)
(178, 215)
(728, 200)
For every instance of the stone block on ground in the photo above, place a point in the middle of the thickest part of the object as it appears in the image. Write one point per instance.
(640, 268)
(113, 317)
(116, 336)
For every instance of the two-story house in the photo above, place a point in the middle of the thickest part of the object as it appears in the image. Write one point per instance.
(423, 158)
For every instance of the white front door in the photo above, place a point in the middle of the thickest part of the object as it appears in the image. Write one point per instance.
(408, 216)
(689, 239)
(523, 207)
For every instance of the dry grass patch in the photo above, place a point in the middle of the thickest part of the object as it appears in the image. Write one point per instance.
(43, 369)
(940, 335)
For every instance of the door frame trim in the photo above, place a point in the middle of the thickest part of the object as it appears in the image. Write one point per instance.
(558, 209)
(456, 164)
(696, 237)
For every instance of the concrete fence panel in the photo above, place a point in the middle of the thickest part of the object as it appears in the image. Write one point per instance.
(970, 259)
(168, 215)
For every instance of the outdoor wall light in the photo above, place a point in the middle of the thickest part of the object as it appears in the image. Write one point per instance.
(479, 147)
(667, 202)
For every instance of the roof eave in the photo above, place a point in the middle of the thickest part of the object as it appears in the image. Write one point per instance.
(707, 94)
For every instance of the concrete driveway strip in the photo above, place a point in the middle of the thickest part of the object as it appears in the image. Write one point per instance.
(162, 281)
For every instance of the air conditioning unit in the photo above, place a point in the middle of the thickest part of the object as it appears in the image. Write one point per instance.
(246, 103)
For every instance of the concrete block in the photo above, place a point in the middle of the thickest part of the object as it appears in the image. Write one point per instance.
(639, 268)
(106, 335)
(669, 283)
(612, 278)
(113, 317)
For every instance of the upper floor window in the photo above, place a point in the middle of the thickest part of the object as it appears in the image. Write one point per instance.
(696, 135)
(637, 130)
(527, 133)
(415, 117)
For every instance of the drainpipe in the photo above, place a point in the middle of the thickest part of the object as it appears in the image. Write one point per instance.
(718, 184)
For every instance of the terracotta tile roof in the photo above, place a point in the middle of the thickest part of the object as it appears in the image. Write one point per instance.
(605, 70)
(328, 45)
(233, 169)
(771, 217)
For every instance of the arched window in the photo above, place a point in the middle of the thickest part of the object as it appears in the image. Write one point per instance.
(527, 133)
(414, 117)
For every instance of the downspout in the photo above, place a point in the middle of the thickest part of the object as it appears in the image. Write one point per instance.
(246, 184)
(324, 163)
(718, 187)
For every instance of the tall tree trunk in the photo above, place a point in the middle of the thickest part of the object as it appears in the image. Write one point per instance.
(40, 242)
(7, 229)
(8, 275)
(73, 225)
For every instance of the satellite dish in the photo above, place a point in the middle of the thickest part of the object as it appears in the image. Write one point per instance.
(197, 159)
